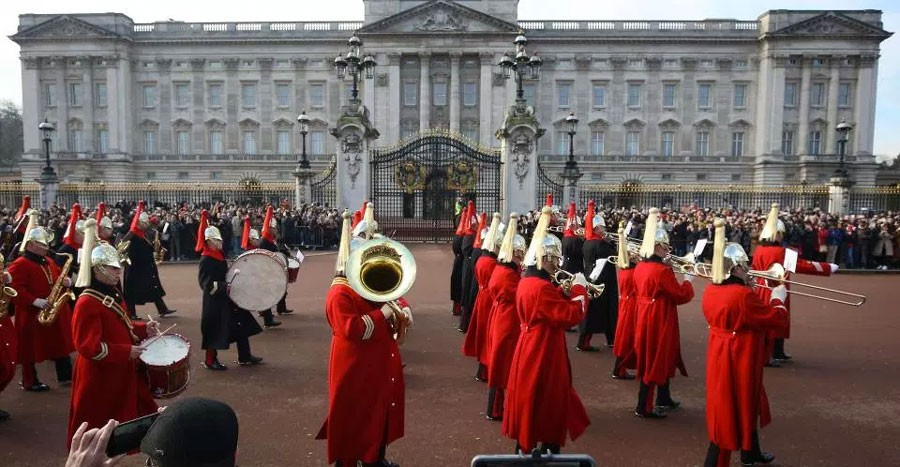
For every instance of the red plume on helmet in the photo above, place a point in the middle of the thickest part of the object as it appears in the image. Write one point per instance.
(135, 228)
(21, 218)
(267, 233)
(570, 221)
(358, 215)
(482, 223)
(201, 231)
(463, 222)
(472, 222)
(589, 222)
(245, 235)
(101, 211)
(549, 201)
(69, 236)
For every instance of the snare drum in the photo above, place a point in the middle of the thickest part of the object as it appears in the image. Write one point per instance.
(258, 279)
(166, 365)
(293, 270)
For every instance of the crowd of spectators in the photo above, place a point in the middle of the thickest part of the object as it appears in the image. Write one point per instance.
(870, 241)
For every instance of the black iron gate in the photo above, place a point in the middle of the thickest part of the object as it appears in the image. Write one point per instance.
(546, 186)
(415, 186)
(322, 188)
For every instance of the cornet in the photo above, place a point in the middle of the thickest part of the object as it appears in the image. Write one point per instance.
(562, 229)
(566, 280)
(777, 274)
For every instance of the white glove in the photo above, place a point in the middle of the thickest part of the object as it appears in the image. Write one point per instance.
(580, 280)
(407, 312)
(779, 293)
(687, 278)
(834, 267)
(40, 303)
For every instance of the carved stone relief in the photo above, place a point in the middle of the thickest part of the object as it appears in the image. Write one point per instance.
(442, 21)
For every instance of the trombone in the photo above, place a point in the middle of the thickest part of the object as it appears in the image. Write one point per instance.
(562, 229)
(566, 280)
(777, 273)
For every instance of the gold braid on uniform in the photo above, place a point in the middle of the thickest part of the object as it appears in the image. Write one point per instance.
(340, 281)
(110, 302)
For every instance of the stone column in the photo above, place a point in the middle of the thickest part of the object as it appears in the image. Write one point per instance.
(839, 195)
(61, 136)
(485, 102)
(33, 105)
(863, 135)
(355, 134)
(49, 187)
(518, 153)
(454, 91)
(803, 109)
(395, 87)
(302, 186)
(830, 134)
(425, 91)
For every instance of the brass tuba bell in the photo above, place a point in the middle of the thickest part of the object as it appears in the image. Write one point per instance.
(381, 270)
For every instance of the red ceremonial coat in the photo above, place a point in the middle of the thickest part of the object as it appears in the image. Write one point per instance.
(477, 332)
(504, 326)
(365, 379)
(8, 344)
(767, 255)
(106, 383)
(657, 341)
(541, 402)
(736, 401)
(36, 341)
(625, 328)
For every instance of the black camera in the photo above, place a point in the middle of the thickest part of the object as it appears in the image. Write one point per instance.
(127, 436)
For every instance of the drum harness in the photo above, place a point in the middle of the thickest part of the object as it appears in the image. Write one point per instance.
(110, 302)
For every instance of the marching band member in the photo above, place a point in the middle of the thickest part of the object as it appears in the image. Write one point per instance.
(468, 242)
(623, 348)
(603, 310)
(221, 321)
(736, 402)
(477, 332)
(104, 224)
(657, 340)
(542, 406)
(458, 260)
(72, 240)
(142, 284)
(107, 343)
(250, 240)
(8, 341)
(470, 284)
(269, 243)
(13, 239)
(572, 244)
(769, 252)
(503, 328)
(366, 390)
(34, 275)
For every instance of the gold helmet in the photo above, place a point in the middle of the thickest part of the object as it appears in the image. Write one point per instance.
(726, 255)
(212, 233)
(367, 226)
(101, 254)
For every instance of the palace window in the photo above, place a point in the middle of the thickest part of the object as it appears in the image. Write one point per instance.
(787, 142)
(704, 96)
(440, 94)
(100, 97)
(103, 141)
(50, 95)
(815, 142)
(632, 143)
(634, 95)
(317, 95)
(216, 145)
(283, 95)
(410, 93)
(667, 145)
(317, 142)
(817, 95)
(562, 143)
(149, 94)
(740, 96)
(149, 142)
(284, 142)
(599, 95)
(249, 140)
(669, 95)
(183, 142)
(737, 143)
(74, 94)
(844, 95)
(470, 94)
(248, 95)
(215, 95)
(564, 94)
(702, 143)
(182, 95)
(790, 94)
(598, 143)
(77, 140)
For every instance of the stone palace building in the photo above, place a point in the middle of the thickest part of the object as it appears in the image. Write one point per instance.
(714, 101)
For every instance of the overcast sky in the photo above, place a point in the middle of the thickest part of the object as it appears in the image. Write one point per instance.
(887, 136)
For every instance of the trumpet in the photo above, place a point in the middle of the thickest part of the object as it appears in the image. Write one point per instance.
(566, 280)
(562, 229)
(777, 274)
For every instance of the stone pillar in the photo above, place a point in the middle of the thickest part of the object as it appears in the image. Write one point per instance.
(518, 153)
(831, 113)
(395, 88)
(839, 195)
(803, 109)
(355, 134)
(33, 109)
(49, 187)
(454, 91)
(863, 136)
(425, 91)
(485, 102)
(302, 186)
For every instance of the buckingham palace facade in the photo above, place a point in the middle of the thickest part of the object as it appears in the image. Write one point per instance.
(717, 101)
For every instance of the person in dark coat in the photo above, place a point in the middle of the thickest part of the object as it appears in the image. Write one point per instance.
(572, 244)
(249, 240)
(221, 321)
(456, 272)
(468, 268)
(72, 240)
(269, 243)
(142, 283)
(603, 311)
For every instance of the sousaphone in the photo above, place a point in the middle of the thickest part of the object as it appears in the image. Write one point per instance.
(380, 269)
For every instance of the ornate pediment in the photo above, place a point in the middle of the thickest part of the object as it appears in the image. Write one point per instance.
(832, 25)
(64, 27)
(440, 17)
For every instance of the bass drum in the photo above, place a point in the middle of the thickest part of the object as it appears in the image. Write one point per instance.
(258, 279)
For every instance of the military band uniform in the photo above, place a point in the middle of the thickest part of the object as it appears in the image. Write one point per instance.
(141, 279)
(603, 311)
(8, 343)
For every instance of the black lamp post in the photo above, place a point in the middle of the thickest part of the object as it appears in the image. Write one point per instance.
(521, 66)
(843, 130)
(303, 124)
(47, 129)
(571, 172)
(355, 66)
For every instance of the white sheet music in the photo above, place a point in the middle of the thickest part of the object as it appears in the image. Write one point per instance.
(628, 228)
(598, 268)
(300, 256)
(700, 246)
(790, 260)
(165, 228)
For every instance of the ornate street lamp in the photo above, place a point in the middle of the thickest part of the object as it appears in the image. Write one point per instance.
(843, 130)
(352, 64)
(47, 129)
(571, 172)
(303, 125)
(522, 66)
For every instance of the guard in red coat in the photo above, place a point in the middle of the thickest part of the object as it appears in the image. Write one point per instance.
(657, 342)
(541, 403)
(106, 382)
(736, 403)
(477, 333)
(769, 252)
(8, 340)
(623, 348)
(34, 274)
(366, 390)
(503, 327)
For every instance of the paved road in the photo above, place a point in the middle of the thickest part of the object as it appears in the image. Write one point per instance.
(838, 404)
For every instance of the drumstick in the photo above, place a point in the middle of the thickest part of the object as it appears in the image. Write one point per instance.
(156, 337)
(236, 272)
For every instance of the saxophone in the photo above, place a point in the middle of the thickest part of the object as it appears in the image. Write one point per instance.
(58, 295)
(6, 293)
(158, 251)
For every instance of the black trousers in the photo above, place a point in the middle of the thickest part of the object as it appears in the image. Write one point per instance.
(161, 307)
(645, 394)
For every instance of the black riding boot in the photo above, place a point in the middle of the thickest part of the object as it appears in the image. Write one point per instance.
(63, 369)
